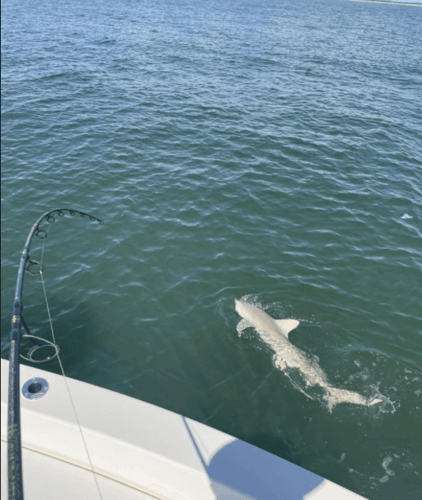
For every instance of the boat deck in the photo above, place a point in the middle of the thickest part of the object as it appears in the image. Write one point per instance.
(140, 451)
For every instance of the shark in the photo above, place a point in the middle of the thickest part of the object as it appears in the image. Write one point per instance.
(288, 357)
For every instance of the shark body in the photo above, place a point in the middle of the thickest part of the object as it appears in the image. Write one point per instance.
(288, 357)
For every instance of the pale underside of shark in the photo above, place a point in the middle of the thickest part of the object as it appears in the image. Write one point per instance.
(288, 357)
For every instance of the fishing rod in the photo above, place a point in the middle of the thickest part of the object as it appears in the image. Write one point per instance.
(14, 444)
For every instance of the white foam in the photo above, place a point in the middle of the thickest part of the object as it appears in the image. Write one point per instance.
(303, 371)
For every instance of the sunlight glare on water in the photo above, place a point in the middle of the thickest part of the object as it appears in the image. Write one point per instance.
(268, 150)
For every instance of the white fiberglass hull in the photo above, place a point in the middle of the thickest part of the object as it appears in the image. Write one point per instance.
(140, 451)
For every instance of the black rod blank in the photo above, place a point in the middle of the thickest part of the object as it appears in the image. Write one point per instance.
(14, 443)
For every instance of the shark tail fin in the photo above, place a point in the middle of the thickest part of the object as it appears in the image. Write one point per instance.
(287, 325)
(375, 401)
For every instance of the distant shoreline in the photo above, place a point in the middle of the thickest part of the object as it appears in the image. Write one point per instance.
(388, 3)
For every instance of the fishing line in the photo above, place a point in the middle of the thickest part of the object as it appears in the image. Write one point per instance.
(30, 266)
(61, 364)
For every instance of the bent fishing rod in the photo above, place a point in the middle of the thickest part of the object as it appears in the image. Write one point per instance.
(14, 444)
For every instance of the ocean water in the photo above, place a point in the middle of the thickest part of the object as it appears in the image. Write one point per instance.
(264, 150)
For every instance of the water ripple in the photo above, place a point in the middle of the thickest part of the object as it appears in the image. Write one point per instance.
(231, 149)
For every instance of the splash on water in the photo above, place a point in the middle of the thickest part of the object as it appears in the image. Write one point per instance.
(303, 370)
(388, 472)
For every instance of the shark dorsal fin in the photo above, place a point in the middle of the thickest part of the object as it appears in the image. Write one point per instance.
(287, 325)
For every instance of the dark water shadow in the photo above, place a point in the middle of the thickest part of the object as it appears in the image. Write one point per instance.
(73, 326)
